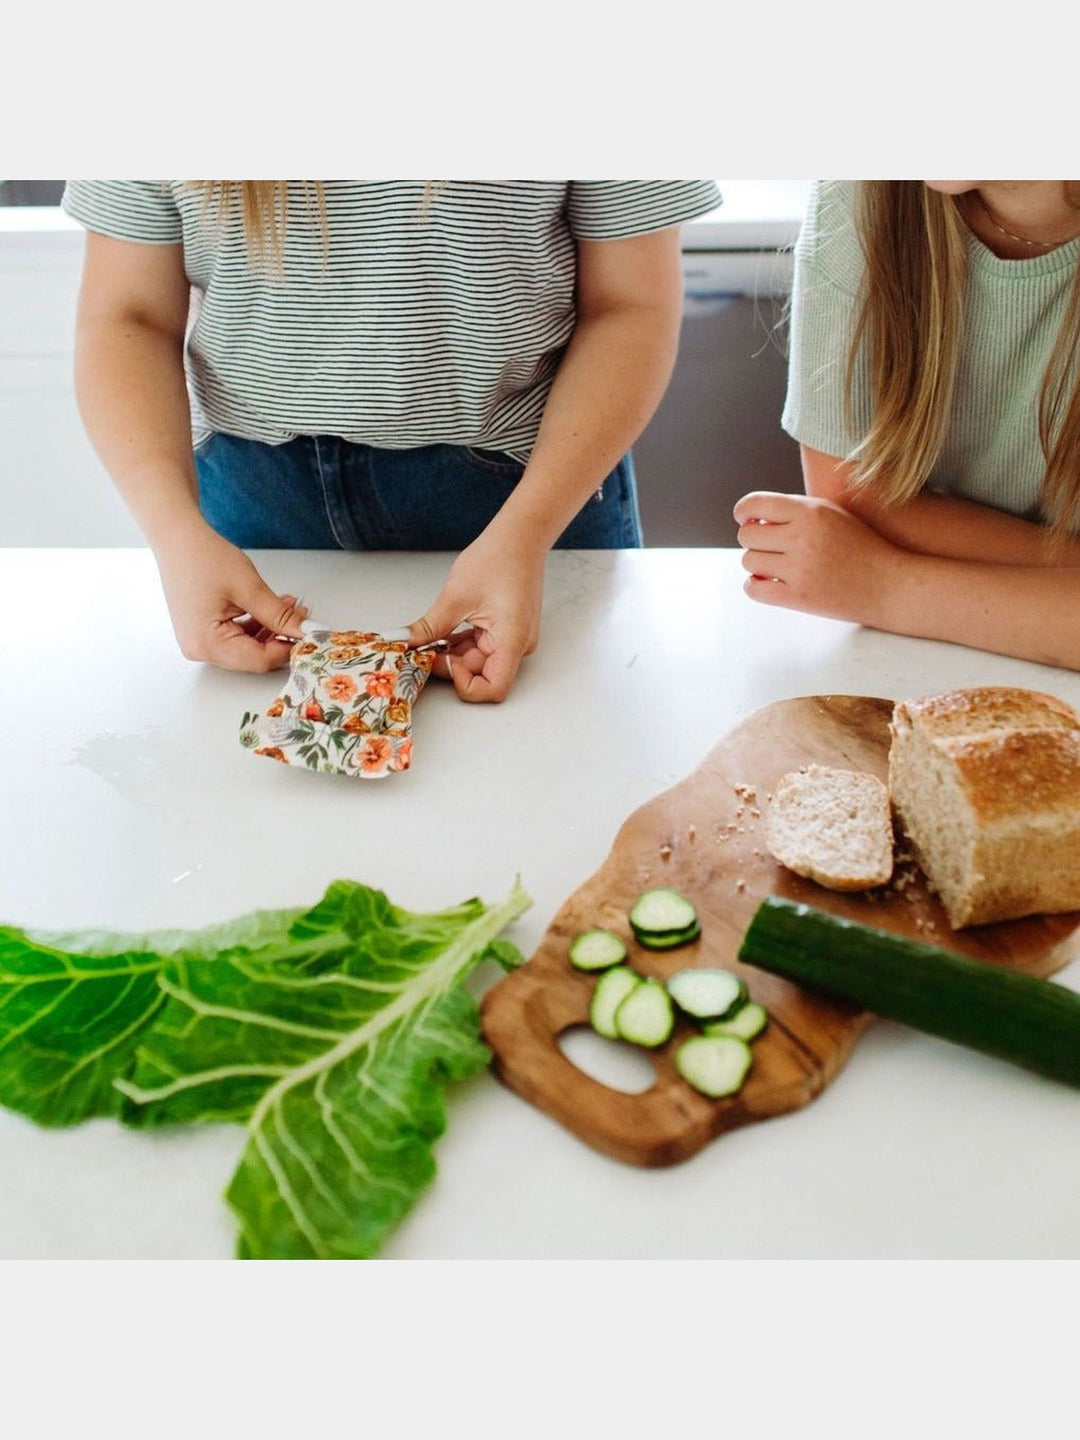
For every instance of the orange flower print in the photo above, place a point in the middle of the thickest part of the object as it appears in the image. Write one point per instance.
(352, 687)
(374, 755)
(341, 687)
(380, 683)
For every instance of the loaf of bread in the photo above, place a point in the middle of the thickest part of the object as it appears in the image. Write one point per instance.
(985, 783)
(833, 826)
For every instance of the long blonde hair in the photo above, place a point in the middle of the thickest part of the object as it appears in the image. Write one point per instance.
(264, 210)
(909, 329)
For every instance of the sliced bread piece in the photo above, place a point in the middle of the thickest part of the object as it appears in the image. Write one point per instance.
(833, 826)
(985, 783)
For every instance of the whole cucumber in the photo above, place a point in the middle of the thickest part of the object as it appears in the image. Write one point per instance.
(1031, 1022)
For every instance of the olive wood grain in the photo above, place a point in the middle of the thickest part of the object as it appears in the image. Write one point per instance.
(706, 838)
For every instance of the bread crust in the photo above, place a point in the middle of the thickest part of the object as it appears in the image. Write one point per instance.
(987, 707)
(997, 829)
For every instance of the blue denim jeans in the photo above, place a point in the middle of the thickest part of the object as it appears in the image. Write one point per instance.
(319, 492)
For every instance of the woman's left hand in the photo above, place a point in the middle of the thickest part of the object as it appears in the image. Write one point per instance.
(496, 588)
(813, 555)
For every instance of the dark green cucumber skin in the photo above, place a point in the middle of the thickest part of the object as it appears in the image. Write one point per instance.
(1033, 1023)
(668, 939)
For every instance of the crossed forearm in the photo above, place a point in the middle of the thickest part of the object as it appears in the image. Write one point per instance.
(1027, 611)
(958, 529)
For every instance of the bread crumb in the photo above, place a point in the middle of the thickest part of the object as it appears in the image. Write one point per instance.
(691, 832)
(665, 852)
(740, 884)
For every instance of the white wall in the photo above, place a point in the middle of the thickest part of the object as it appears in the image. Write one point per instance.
(53, 489)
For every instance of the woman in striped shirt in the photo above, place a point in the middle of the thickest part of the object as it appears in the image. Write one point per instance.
(376, 365)
(934, 387)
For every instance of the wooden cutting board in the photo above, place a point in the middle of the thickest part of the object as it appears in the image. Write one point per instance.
(705, 837)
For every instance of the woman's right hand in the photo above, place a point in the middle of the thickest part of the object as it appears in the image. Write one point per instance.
(212, 588)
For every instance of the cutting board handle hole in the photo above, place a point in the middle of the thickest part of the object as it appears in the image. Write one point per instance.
(614, 1063)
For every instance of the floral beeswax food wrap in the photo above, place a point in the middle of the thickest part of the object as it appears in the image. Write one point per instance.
(346, 708)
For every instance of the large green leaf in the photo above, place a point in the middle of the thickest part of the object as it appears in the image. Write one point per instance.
(73, 1005)
(335, 1048)
(330, 1032)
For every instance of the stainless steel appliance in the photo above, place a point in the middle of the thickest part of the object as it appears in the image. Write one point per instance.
(717, 433)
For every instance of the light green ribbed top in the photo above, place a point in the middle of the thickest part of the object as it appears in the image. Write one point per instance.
(1012, 312)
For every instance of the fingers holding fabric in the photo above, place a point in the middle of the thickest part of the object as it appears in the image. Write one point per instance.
(485, 671)
(222, 611)
(494, 592)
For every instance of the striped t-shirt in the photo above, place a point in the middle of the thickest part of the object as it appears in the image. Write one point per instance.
(424, 314)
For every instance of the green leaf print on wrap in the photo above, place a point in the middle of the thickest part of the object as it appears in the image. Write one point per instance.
(74, 1004)
(335, 1048)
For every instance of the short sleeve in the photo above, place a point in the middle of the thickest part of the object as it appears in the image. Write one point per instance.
(825, 290)
(125, 209)
(615, 209)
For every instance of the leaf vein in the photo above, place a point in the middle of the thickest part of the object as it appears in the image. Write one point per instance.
(288, 1195)
(193, 1079)
(257, 1019)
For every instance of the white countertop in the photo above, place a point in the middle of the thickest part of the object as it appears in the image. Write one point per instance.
(129, 805)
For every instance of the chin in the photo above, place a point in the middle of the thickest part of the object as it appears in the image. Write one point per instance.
(952, 187)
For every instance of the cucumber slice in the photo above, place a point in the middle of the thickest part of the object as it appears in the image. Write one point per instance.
(714, 1065)
(661, 911)
(744, 1023)
(612, 988)
(670, 941)
(647, 1016)
(707, 994)
(596, 950)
